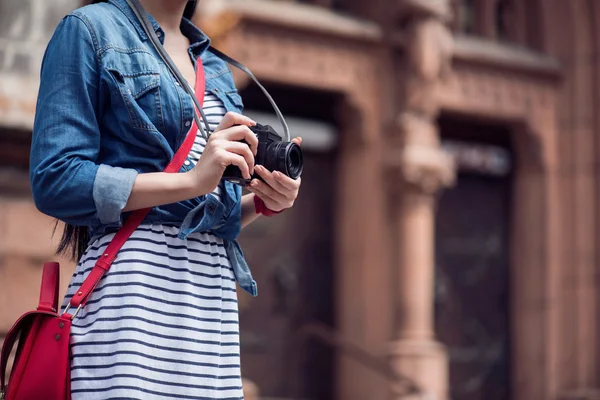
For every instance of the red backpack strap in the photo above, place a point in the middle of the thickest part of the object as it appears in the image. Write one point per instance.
(135, 219)
(50, 287)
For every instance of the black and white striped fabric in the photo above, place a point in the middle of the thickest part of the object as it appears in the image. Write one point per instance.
(163, 323)
(214, 110)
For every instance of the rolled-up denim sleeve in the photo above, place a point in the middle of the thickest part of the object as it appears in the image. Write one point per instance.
(66, 180)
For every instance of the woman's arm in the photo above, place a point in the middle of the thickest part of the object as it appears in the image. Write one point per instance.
(222, 149)
(159, 188)
(249, 214)
(66, 181)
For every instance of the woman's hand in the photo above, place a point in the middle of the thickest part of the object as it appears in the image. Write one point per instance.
(278, 191)
(223, 149)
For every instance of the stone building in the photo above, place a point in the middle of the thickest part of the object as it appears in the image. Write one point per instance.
(444, 243)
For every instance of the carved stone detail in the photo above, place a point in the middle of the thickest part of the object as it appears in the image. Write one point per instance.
(419, 160)
(429, 53)
(510, 96)
(416, 156)
(501, 94)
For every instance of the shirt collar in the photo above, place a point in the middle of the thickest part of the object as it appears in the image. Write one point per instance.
(125, 9)
(199, 41)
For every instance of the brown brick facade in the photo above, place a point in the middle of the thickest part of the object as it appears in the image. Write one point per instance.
(394, 72)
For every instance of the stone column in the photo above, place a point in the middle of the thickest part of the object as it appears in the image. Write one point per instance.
(415, 353)
(418, 170)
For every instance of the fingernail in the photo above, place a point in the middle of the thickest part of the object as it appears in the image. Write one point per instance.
(277, 174)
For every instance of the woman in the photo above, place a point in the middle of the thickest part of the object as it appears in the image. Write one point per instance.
(163, 322)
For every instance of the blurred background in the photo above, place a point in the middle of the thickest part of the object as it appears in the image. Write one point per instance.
(444, 242)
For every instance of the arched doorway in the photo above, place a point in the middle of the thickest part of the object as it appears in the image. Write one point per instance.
(472, 246)
(292, 257)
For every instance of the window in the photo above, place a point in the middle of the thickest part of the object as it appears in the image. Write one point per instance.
(492, 19)
(466, 17)
(509, 21)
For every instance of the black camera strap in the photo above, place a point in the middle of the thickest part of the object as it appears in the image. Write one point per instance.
(226, 58)
(142, 16)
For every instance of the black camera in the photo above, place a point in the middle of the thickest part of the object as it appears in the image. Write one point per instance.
(273, 153)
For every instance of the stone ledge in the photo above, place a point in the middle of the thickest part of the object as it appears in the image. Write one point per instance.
(292, 14)
(473, 49)
(583, 394)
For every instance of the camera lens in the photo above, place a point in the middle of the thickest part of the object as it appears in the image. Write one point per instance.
(294, 161)
(286, 158)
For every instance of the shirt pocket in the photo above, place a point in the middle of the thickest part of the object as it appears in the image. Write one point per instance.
(141, 97)
(235, 99)
(231, 100)
(135, 78)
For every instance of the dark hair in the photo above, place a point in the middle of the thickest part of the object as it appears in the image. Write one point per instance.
(73, 242)
(190, 8)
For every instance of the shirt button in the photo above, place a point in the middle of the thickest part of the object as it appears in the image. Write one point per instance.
(187, 162)
(177, 83)
(159, 33)
(188, 123)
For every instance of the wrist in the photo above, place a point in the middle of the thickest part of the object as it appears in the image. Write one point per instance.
(190, 185)
(261, 209)
(249, 214)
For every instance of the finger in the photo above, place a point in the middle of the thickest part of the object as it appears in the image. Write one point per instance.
(297, 140)
(287, 182)
(232, 118)
(243, 150)
(226, 158)
(244, 133)
(271, 181)
(263, 196)
(269, 191)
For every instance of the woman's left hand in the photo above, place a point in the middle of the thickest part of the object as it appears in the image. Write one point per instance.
(278, 191)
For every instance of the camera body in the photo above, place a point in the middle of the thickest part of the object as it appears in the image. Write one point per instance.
(273, 153)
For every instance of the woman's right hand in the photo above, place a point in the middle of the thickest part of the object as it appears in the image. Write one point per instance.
(223, 149)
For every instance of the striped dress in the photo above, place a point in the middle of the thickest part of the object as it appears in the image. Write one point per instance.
(163, 323)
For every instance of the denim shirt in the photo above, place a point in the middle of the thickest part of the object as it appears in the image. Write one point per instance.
(108, 109)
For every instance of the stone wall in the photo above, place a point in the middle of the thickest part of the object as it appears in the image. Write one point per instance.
(25, 29)
(24, 247)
